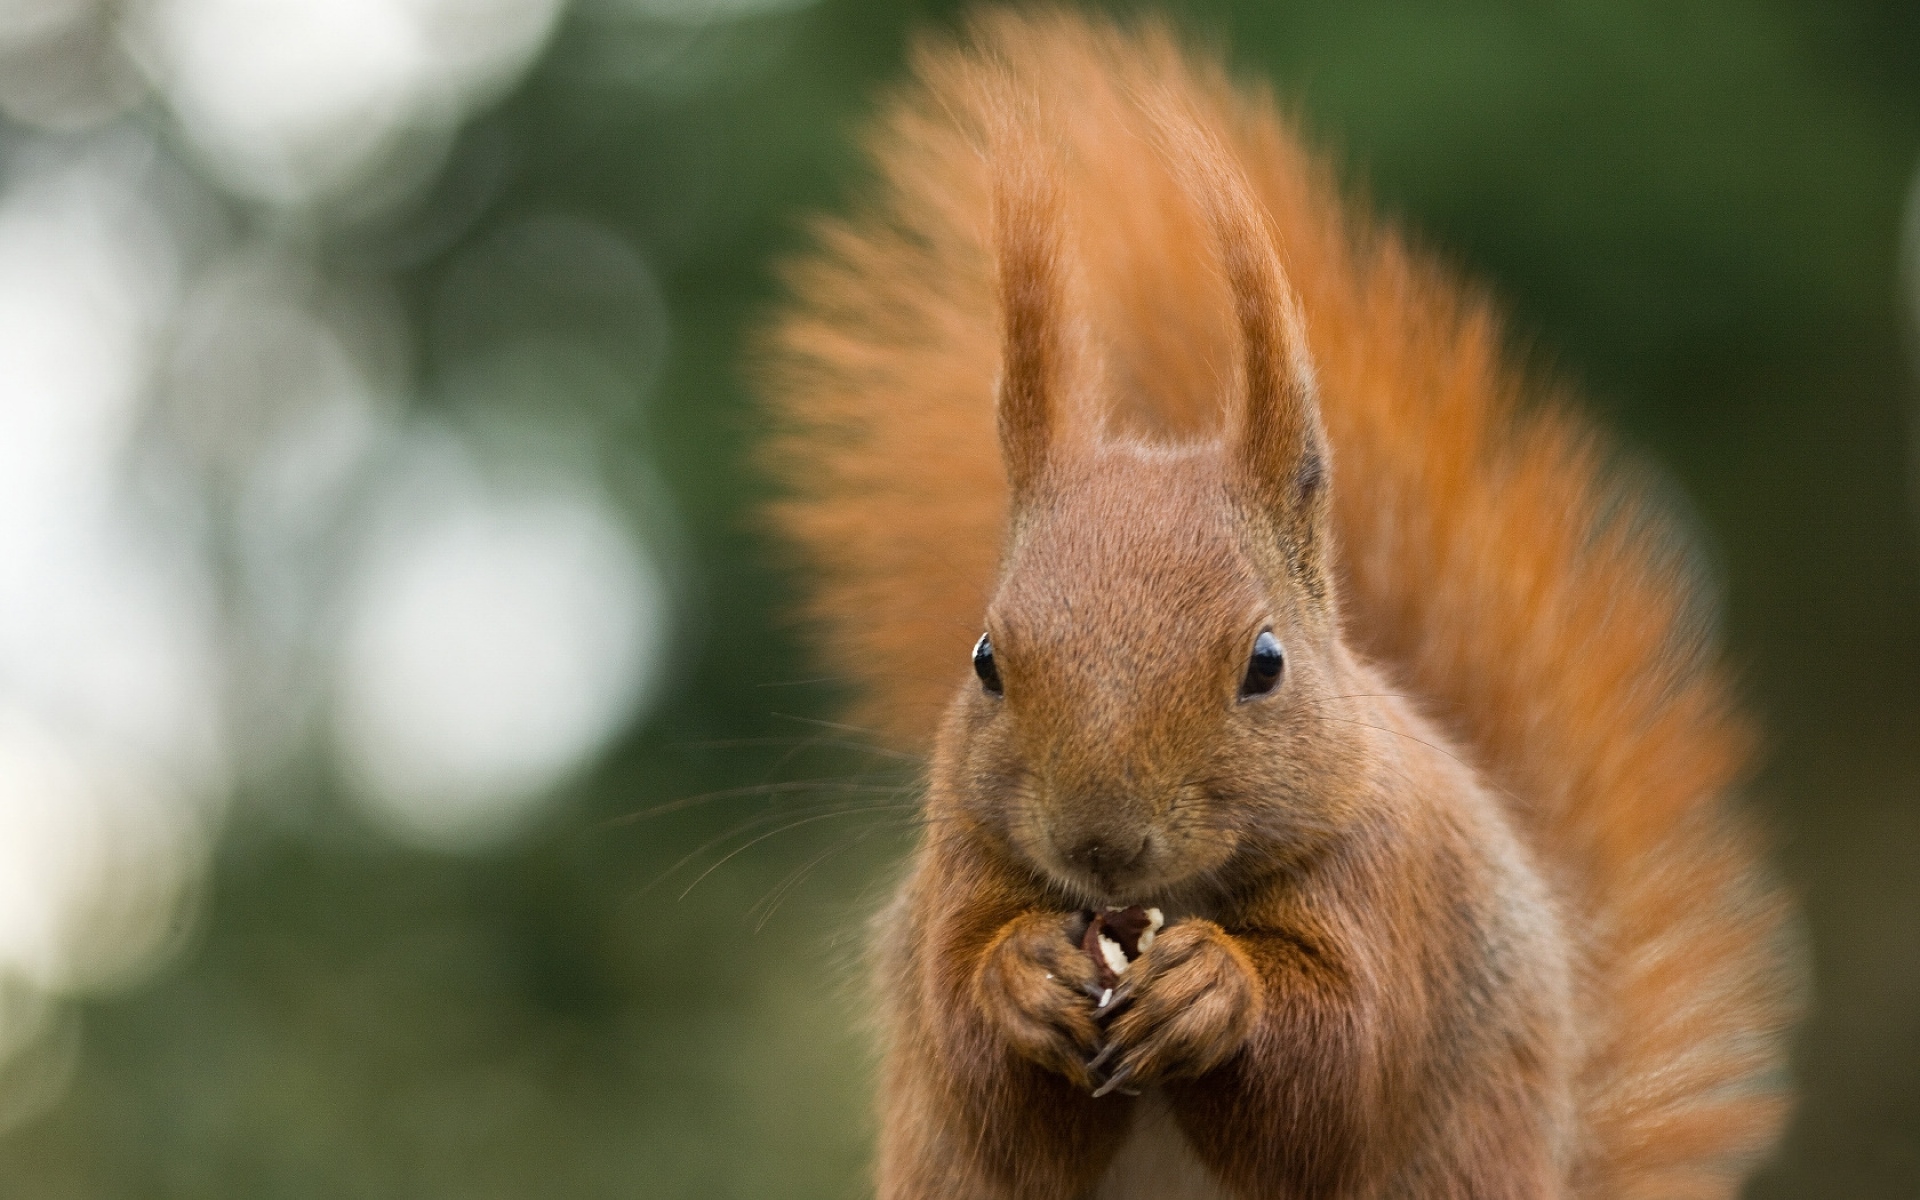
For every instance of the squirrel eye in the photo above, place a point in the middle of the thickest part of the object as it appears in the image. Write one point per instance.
(983, 666)
(1263, 666)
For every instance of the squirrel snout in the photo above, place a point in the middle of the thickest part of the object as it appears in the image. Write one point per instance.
(1108, 858)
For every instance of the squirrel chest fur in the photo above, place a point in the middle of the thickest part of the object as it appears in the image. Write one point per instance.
(1296, 613)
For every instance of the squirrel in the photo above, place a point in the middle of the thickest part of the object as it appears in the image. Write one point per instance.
(1298, 612)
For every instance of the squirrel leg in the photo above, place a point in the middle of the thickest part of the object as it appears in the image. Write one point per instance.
(1185, 1007)
(944, 1138)
(1277, 1100)
(986, 1089)
(1035, 988)
(1328, 1090)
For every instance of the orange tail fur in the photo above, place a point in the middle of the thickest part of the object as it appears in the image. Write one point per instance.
(1491, 558)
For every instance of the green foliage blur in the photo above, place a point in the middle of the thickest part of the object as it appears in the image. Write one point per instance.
(1693, 210)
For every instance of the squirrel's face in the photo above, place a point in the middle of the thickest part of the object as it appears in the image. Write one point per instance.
(1149, 711)
(1146, 701)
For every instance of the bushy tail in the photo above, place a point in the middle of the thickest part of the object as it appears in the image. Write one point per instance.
(1491, 555)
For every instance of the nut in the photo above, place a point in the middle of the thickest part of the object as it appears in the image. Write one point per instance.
(1117, 936)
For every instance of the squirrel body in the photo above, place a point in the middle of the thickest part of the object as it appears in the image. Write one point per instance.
(1307, 620)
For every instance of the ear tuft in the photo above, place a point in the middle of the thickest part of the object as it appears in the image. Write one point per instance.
(1280, 445)
(1028, 238)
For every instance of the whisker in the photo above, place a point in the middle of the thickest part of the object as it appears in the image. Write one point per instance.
(1397, 733)
(1477, 773)
(870, 738)
(809, 812)
(777, 896)
(738, 850)
(824, 724)
(804, 743)
(849, 783)
(1370, 696)
(792, 879)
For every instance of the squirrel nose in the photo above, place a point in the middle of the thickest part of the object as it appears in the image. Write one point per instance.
(1108, 858)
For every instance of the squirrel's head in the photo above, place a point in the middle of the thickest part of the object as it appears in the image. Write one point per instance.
(1151, 683)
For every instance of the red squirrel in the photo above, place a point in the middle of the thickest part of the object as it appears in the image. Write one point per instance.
(1296, 612)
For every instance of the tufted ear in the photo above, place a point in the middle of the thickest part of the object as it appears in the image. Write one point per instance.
(1028, 239)
(1279, 445)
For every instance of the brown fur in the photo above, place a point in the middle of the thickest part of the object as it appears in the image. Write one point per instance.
(1460, 909)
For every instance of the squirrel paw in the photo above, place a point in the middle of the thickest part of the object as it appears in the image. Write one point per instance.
(1186, 1006)
(1037, 988)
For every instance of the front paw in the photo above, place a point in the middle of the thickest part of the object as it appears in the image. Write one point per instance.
(1036, 987)
(1185, 1007)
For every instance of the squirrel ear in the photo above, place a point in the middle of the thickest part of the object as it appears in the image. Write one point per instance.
(1278, 443)
(1027, 235)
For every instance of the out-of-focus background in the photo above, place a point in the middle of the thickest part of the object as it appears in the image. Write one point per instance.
(410, 784)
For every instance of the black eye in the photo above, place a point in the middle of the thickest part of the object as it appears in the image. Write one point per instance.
(1263, 666)
(984, 668)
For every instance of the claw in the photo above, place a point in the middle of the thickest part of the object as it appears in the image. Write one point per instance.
(1119, 999)
(1104, 1057)
(1094, 992)
(1115, 1083)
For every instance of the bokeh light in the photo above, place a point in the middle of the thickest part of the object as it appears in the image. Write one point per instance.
(96, 855)
(494, 636)
(298, 100)
(111, 745)
(226, 551)
(62, 63)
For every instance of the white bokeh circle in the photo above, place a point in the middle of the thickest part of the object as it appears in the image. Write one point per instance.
(495, 635)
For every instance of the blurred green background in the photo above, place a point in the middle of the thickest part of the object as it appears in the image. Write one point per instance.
(1694, 210)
